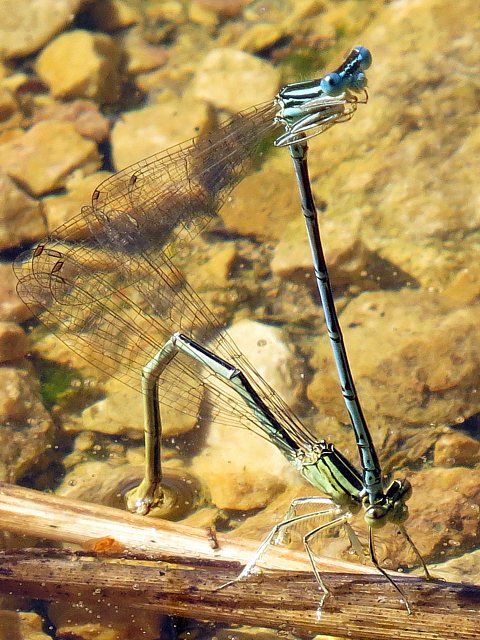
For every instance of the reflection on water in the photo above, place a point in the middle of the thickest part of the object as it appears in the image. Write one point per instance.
(398, 192)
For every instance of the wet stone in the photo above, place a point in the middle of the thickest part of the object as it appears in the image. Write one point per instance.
(11, 307)
(242, 470)
(26, 26)
(27, 625)
(223, 8)
(112, 15)
(263, 202)
(466, 568)
(455, 449)
(210, 269)
(13, 342)
(62, 208)
(21, 218)
(234, 80)
(10, 114)
(42, 158)
(143, 58)
(425, 371)
(202, 16)
(150, 130)
(346, 255)
(81, 64)
(121, 413)
(99, 622)
(465, 286)
(260, 36)
(443, 510)
(97, 481)
(83, 114)
(26, 427)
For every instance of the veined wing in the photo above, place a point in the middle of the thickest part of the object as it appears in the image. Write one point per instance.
(117, 311)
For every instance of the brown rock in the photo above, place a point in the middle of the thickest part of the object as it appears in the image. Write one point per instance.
(62, 208)
(82, 64)
(83, 114)
(241, 469)
(43, 157)
(456, 449)
(27, 429)
(121, 413)
(13, 342)
(346, 255)
(465, 568)
(415, 362)
(143, 57)
(10, 114)
(213, 271)
(260, 36)
(25, 26)
(234, 80)
(97, 622)
(443, 518)
(167, 11)
(262, 204)
(224, 8)
(11, 307)
(112, 15)
(142, 133)
(202, 16)
(28, 626)
(464, 288)
(21, 217)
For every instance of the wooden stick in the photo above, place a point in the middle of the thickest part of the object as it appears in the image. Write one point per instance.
(362, 606)
(43, 515)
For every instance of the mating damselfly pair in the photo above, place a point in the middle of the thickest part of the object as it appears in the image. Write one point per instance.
(106, 283)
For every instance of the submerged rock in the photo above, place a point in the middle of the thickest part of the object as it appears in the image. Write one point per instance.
(242, 470)
(82, 64)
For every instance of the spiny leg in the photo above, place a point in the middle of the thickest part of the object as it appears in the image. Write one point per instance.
(336, 522)
(352, 536)
(251, 567)
(413, 546)
(374, 559)
(280, 538)
(355, 542)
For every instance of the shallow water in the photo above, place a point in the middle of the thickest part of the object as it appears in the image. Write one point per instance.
(398, 193)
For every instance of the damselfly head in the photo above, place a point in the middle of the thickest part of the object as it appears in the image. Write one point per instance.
(391, 507)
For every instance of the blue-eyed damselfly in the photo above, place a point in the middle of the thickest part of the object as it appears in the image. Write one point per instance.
(106, 283)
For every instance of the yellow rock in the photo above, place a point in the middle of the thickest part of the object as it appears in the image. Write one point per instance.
(21, 217)
(263, 203)
(25, 26)
(142, 133)
(456, 449)
(42, 158)
(81, 64)
(13, 342)
(61, 208)
(234, 80)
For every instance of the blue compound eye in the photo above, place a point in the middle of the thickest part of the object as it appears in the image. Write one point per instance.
(331, 84)
(364, 57)
(359, 82)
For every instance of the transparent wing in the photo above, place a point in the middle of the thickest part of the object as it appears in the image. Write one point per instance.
(176, 191)
(117, 311)
(105, 282)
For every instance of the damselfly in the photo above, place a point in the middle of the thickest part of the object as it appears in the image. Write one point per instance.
(107, 285)
(381, 505)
